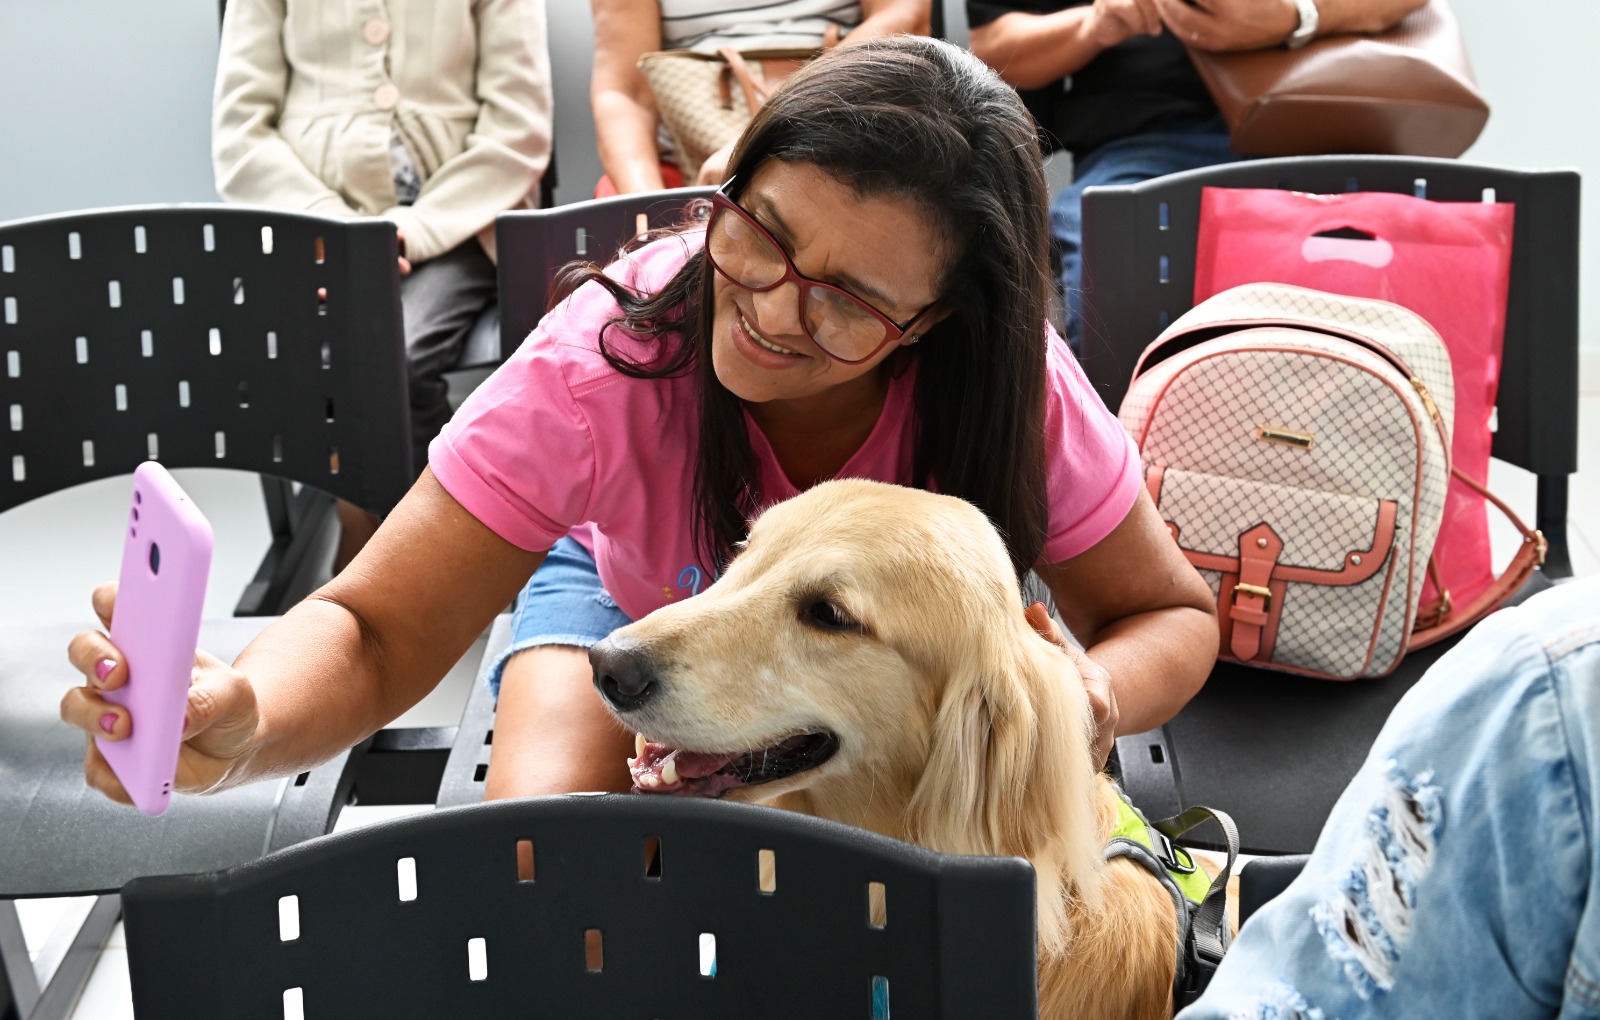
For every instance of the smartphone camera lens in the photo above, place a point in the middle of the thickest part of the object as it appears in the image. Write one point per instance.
(155, 558)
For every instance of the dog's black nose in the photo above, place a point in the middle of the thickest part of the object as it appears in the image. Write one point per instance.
(622, 675)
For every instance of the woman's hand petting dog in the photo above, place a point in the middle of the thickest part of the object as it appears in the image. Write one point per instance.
(1096, 681)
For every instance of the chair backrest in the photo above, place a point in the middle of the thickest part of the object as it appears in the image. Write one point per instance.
(1138, 275)
(202, 336)
(535, 243)
(603, 906)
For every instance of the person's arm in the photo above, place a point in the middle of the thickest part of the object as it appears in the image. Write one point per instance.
(335, 668)
(889, 17)
(1144, 616)
(623, 106)
(508, 149)
(251, 161)
(1034, 50)
(1256, 24)
(879, 18)
(1458, 874)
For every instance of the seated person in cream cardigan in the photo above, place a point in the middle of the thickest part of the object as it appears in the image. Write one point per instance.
(434, 114)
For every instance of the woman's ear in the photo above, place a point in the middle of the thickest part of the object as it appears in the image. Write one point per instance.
(926, 321)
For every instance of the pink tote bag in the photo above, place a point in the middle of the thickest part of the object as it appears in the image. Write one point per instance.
(1450, 262)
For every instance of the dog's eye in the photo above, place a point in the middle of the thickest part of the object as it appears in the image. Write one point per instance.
(824, 614)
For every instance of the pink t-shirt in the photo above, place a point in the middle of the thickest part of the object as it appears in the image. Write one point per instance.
(558, 438)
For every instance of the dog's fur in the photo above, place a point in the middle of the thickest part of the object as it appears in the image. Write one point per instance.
(959, 728)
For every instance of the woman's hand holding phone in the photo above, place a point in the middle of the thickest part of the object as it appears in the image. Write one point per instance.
(220, 719)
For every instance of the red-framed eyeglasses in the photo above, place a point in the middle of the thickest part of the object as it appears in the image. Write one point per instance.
(846, 328)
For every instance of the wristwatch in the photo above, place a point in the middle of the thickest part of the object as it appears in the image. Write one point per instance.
(1307, 29)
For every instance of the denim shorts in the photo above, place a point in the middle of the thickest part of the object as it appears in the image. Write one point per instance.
(563, 603)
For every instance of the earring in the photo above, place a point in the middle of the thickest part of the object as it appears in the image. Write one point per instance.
(912, 338)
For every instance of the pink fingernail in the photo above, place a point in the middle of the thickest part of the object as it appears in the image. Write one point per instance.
(108, 722)
(103, 668)
(1041, 605)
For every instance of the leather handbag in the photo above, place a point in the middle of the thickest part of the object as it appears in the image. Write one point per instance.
(1407, 91)
(706, 99)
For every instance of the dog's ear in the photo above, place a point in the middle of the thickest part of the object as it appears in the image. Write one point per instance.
(1009, 768)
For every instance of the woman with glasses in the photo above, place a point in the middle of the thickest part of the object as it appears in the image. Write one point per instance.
(866, 297)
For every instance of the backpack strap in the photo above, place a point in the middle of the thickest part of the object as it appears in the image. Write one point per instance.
(1446, 619)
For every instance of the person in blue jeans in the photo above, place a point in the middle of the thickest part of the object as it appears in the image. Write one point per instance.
(1111, 82)
(1459, 875)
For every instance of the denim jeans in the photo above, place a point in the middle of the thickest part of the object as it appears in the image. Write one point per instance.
(563, 603)
(1166, 149)
(1457, 876)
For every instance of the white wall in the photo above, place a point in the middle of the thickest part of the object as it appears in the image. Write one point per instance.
(1539, 64)
(106, 102)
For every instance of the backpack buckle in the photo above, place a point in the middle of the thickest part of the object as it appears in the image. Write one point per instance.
(1265, 594)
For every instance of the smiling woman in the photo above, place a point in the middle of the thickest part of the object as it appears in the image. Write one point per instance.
(848, 233)
(866, 299)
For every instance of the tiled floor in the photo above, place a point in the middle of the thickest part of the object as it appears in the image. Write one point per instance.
(66, 543)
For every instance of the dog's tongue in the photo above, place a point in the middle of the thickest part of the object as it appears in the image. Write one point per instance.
(656, 763)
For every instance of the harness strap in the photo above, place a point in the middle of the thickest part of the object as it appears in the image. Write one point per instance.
(1122, 846)
(1209, 936)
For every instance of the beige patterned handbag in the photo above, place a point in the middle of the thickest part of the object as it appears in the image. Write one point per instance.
(1297, 445)
(706, 99)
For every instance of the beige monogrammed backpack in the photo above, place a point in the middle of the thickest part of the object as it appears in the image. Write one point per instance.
(1297, 445)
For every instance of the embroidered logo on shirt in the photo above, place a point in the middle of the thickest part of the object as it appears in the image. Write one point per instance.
(690, 579)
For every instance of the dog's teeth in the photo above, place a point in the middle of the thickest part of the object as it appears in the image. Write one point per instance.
(632, 762)
(638, 743)
(649, 781)
(669, 772)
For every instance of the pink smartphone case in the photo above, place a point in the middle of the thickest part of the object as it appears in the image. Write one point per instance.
(156, 626)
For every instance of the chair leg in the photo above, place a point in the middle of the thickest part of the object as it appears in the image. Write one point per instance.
(298, 531)
(21, 985)
(56, 999)
(1550, 517)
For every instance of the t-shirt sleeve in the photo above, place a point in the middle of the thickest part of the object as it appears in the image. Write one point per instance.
(1091, 464)
(519, 455)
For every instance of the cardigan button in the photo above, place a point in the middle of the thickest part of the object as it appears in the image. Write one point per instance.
(376, 31)
(386, 96)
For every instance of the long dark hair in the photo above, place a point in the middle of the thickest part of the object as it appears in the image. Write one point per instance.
(913, 118)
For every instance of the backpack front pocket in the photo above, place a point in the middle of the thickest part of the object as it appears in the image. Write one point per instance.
(1302, 577)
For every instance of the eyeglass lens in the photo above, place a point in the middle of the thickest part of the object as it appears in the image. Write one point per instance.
(840, 323)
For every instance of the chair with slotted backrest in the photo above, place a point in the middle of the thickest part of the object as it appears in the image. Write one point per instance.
(602, 906)
(1271, 749)
(195, 335)
(535, 243)
(217, 336)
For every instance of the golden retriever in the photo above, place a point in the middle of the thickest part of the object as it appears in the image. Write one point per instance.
(865, 658)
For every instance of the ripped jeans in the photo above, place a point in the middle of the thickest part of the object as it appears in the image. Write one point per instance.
(1457, 875)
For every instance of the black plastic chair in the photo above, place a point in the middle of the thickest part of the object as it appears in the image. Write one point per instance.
(1273, 750)
(535, 243)
(602, 906)
(194, 335)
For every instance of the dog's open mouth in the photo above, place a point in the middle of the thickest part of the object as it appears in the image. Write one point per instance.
(660, 768)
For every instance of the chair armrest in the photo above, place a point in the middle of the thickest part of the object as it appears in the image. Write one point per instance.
(1265, 877)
